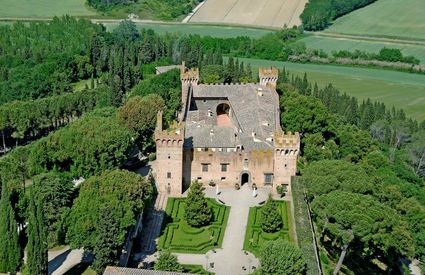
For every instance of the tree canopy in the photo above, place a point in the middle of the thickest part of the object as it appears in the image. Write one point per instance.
(281, 257)
(197, 212)
(104, 211)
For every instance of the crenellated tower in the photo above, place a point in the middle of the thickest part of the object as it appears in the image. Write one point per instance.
(169, 157)
(286, 151)
(268, 76)
(188, 78)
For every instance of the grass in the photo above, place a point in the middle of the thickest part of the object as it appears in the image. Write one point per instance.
(255, 237)
(196, 269)
(329, 44)
(399, 89)
(202, 30)
(385, 18)
(44, 8)
(178, 236)
(81, 269)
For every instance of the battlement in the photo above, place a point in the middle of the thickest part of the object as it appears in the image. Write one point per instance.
(268, 76)
(173, 136)
(282, 140)
(189, 75)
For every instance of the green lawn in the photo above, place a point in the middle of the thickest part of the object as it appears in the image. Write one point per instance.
(255, 237)
(178, 236)
(329, 44)
(203, 30)
(43, 8)
(396, 18)
(196, 269)
(399, 89)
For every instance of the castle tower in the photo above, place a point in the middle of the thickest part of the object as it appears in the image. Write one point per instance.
(188, 78)
(169, 158)
(268, 76)
(287, 149)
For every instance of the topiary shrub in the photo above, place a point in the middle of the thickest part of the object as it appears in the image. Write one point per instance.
(271, 220)
(197, 212)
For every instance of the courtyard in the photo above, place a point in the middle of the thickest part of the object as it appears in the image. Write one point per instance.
(230, 245)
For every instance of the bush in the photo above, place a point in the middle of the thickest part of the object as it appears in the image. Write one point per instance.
(271, 220)
(197, 212)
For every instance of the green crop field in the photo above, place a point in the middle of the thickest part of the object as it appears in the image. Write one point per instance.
(396, 18)
(43, 8)
(203, 30)
(399, 89)
(329, 44)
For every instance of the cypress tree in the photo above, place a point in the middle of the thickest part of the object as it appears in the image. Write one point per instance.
(37, 238)
(10, 254)
(197, 211)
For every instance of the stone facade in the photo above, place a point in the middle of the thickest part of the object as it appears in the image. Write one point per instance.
(226, 134)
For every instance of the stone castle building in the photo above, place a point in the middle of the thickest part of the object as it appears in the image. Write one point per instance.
(226, 134)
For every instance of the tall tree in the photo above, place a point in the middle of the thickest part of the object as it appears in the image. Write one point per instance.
(281, 257)
(271, 219)
(37, 237)
(10, 251)
(168, 262)
(197, 212)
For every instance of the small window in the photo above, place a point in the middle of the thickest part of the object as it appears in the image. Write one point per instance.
(168, 175)
(204, 167)
(268, 178)
(224, 167)
(169, 157)
(223, 178)
(199, 178)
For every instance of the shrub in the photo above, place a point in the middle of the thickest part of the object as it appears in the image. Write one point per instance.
(197, 212)
(271, 220)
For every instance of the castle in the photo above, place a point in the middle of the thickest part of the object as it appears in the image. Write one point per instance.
(226, 135)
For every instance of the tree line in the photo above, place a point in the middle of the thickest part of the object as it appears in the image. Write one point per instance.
(318, 14)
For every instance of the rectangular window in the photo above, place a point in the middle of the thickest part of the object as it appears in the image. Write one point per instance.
(268, 178)
(204, 167)
(168, 175)
(223, 178)
(224, 167)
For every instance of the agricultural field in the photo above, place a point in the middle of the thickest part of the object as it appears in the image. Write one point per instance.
(267, 13)
(44, 8)
(399, 89)
(329, 44)
(203, 30)
(394, 18)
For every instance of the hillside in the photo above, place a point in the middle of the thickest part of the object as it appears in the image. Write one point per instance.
(385, 18)
(268, 13)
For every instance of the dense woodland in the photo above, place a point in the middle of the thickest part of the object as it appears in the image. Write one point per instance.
(363, 157)
(318, 14)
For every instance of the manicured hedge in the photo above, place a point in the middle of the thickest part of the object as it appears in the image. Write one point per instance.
(258, 236)
(178, 236)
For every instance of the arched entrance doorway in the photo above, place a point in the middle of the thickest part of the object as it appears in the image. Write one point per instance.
(244, 178)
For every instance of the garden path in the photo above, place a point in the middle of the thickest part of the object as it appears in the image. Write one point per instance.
(231, 259)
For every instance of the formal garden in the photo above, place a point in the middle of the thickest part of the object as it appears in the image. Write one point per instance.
(179, 236)
(261, 229)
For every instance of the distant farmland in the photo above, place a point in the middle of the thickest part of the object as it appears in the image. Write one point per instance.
(43, 8)
(402, 90)
(266, 13)
(329, 44)
(397, 18)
